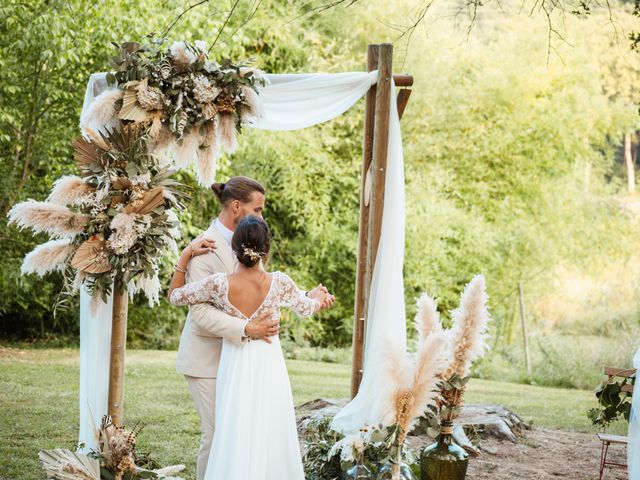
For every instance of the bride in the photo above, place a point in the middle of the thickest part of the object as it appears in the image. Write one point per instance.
(255, 436)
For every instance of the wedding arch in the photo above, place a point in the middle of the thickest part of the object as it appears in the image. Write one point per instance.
(287, 102)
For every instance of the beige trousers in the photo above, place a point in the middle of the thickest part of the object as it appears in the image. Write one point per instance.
(203, 391)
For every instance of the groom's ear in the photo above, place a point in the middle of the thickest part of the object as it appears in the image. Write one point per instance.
(235, 206)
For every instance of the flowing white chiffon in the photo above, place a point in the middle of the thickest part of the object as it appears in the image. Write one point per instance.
(633, 448)
(296, 101)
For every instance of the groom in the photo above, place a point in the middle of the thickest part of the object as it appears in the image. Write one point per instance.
(201, 339)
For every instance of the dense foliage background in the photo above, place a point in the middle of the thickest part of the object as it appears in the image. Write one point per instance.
(513, 150)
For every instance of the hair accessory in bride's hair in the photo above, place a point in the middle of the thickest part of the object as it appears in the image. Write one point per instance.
(222, 185)
(251, 253)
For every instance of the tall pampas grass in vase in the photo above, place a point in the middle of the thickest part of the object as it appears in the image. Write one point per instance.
(466, 342)
(413, 382)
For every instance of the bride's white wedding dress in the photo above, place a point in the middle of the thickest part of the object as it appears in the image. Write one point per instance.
(255, 436)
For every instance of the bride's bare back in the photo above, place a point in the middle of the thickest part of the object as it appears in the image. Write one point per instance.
(248, 290)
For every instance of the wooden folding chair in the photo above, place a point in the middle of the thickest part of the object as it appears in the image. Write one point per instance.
(606, 438)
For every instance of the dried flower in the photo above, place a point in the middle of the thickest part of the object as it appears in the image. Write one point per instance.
(181, 54)
(203, 91)
(149, 98)
(127, 229)
(226, 102)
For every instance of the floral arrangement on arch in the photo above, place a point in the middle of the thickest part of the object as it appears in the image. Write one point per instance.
(190, 106)
(114, 221)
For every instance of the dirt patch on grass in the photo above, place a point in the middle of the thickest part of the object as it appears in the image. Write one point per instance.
(541, 454)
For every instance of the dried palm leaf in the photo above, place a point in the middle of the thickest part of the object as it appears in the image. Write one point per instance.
(131, 108)
(98, 139)
(92, 257)
(151, 200)
(63, 464)
(86, 154)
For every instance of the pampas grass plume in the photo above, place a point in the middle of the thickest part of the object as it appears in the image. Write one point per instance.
(208, 156)
(430, 362)
(227, 132)
(47, 257)
(469, 333)
(186, 152)
(67, 189)
(102, 111)
(427, 320)
(47, 217)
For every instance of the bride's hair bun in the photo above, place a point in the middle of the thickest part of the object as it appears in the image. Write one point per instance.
(251, 240)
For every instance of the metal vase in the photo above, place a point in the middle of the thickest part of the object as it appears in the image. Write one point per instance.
(444, 460)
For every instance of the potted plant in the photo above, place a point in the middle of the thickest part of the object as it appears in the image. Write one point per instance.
(444, 460)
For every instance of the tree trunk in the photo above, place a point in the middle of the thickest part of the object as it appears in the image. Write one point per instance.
(628, 160)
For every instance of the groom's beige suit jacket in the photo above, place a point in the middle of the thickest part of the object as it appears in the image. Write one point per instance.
(201, 339)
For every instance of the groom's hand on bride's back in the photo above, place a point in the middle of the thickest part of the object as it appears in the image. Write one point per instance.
(262, 327)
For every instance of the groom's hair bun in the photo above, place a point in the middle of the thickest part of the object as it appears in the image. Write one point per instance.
(251, 240)
(237, 188)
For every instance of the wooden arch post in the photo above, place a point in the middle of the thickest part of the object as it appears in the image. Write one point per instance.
(115, 402)
(374, 167)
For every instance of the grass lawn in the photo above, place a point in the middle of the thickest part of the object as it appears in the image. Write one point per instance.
(39, 398)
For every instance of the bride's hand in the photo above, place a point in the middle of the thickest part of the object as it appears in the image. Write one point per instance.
(322, 295)
(199, 246)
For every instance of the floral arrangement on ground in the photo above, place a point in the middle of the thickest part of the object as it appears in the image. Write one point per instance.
(428, 384)
(116, 458)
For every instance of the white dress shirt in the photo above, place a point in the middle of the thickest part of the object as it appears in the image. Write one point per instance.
(226, 233)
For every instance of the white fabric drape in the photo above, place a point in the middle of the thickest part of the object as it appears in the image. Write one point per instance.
(296, 101)
(633, 448)
(95, 351)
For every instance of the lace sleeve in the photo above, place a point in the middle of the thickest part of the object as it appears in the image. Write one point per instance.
(295, 299)
(209, 289)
